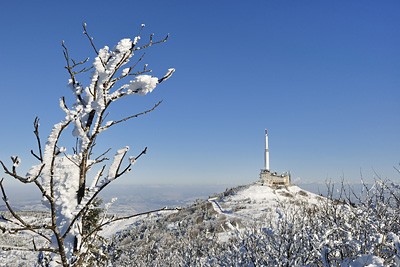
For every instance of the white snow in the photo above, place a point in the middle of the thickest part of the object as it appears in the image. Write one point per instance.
(125, 71)
(16, 162)
(132, 160)
(34, 171)
(258, 199)
(112, 172)
(123, 46)
(368, 261)
(142, 84)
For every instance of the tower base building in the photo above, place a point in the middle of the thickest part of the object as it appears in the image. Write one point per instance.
(272, 178)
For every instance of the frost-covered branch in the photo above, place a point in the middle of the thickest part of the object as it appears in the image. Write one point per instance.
(33, 176)
(24, 226)
(35, 248)
(132, 161)
(167, 76)
(63, 182)
(96, 189)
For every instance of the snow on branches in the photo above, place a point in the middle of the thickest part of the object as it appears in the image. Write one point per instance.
(63, 177)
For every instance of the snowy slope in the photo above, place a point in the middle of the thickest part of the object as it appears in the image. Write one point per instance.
(249, 203)
(255, 200)
(206, 223)
(257, 225)
(250, 225)
(220, 215)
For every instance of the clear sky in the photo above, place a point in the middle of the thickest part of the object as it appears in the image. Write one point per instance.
(322, 76)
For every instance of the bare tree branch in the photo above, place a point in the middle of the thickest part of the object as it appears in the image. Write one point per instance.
(71, 73)
(91, 42)
(150, 43)
(90, 38)
(133, 116)
(36, 132)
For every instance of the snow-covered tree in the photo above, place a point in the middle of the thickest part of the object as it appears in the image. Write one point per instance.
(69, 190)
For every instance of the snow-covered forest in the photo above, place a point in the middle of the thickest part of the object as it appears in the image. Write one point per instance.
(252, 225)
(259, 226)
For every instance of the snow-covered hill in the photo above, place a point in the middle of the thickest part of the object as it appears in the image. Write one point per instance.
(250, 225)
(222, 214)
(257, 225)
(243, 204)
(207, 224)
(255, 202)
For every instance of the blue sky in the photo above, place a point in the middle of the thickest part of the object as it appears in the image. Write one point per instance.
(322, 76)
